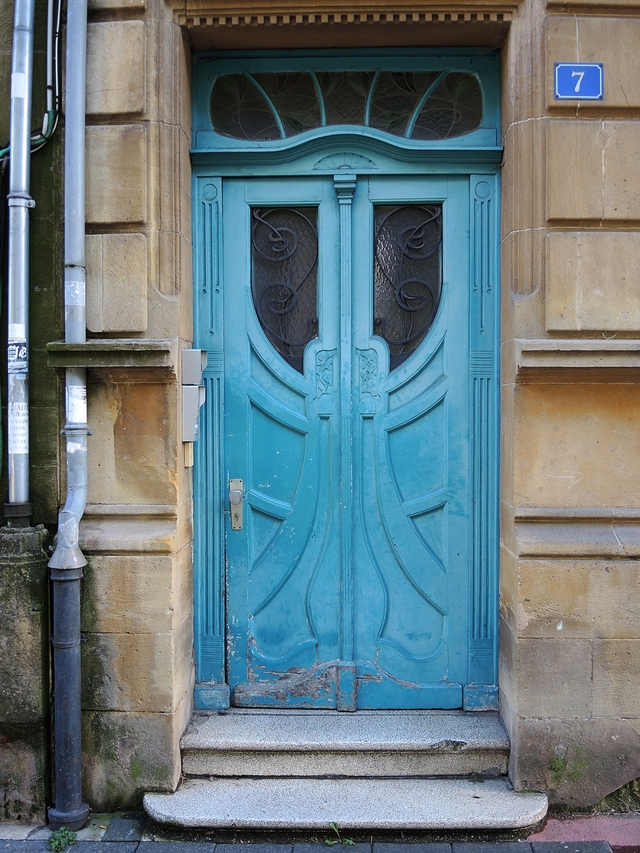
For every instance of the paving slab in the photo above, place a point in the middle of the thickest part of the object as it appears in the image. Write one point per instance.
(16, 831)
(18, 846)
(622, 832)
(176, 847)
(96, 828)
(126, 826)
(410, 847)
(350, 803)
(324, 847)
(255, 848)
(491, 847)
(570, 847)
(40, 833)
(103, 847)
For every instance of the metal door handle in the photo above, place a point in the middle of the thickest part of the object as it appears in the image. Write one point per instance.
(235, 499)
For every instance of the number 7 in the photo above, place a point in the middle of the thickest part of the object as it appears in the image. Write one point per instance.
(579, 75)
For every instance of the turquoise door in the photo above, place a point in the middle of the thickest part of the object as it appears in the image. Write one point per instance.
(347, 418)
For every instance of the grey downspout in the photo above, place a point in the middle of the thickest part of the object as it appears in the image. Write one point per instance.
(68, 560)
(18, 508)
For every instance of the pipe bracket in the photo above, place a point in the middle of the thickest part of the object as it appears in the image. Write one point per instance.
(20, 200)
(64, 644)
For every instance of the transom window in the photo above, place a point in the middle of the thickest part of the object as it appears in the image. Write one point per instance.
(422, 105)
(265, 103)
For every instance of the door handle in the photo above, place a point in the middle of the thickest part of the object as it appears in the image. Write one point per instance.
(235, 499)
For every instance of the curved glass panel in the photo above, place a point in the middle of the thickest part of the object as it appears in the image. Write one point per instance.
(407, 275)
(396, 96)
(294, 97)
(454, 109)
(284, 254)
(345, 94)
(426, 105)
(239, 110)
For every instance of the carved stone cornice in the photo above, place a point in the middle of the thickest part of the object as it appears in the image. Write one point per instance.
(234, 13)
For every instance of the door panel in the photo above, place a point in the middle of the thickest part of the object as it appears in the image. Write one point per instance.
(348, 584)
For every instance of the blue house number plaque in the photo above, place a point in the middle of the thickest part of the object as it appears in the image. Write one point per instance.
(579, 80)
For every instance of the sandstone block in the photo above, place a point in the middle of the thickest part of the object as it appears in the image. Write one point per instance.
(134, 442)
(117, 282)
(577, 445)
(590, 170)
(121, 45)
(554, 678)
(129, 755)
(116, 178)
(590, 598)
(621, 189)
(578, 762)
(128, 672)
(616, 678)
(611, 41)
(574, 170)
(128, 594)
(116, 5)
(592, 281)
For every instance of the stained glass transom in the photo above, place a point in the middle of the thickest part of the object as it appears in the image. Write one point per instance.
(425, 105)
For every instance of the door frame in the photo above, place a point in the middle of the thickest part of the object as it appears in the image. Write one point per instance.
(361, 152)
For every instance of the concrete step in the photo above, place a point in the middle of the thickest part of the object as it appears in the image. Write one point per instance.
(327, 743)
(285, 803)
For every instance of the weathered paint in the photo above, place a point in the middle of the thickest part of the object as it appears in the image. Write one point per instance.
(365, 572)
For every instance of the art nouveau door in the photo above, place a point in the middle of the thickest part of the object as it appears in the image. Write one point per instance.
(347, 419)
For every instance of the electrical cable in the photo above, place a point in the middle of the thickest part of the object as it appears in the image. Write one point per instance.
(39, 138)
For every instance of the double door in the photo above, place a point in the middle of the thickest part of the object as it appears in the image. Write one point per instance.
(354, 441)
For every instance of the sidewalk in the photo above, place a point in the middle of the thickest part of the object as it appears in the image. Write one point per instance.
(130, 832)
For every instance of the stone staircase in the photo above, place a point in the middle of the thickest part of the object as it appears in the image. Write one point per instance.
(370, 769)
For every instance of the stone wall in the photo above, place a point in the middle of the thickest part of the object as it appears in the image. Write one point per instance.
(570, 584)
(137, 530)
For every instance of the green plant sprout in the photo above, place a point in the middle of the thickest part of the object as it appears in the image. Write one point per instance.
(339, 839)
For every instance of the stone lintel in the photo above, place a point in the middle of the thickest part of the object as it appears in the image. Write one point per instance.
(114, 353)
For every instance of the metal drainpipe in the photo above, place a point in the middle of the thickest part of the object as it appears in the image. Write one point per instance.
(67, 560)
(18, 508)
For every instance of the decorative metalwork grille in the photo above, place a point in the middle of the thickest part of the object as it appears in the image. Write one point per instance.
(284, 255)
(407, 275)
(427, 105)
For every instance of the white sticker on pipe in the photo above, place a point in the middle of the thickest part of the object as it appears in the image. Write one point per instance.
(77, 404)
(75, 446)
(17, 331)
(18, 428)
(74, 292)
(18, 85)
(17, 357)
